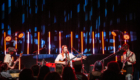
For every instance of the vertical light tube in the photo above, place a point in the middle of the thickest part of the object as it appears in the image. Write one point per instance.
(121, 58)
(82, 42)
(19, 67)
(59, 42)
(123, 35)
(28, 42)
(49, 42)
(16, 41)
(4, 43)
(71, 41)
(38, 41)
(116, 58)
(93, 42)
(103, 42)
(114, 44)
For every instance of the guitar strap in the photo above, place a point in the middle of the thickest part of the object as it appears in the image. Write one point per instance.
(68, 58)
(126, 64)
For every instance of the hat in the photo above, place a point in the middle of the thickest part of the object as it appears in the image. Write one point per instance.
(125, 46)
(11, 49)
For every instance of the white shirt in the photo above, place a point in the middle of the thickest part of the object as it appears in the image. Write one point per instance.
(8, 59)
(61, 58)
(132, 58)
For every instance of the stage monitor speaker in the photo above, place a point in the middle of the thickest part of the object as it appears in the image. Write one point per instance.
(27, 61)
(77, 63)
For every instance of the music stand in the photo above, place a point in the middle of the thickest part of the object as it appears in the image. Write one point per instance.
(37, 54)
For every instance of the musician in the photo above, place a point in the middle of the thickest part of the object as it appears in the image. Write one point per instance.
(66, 55)
(129, 59)
(8, 57)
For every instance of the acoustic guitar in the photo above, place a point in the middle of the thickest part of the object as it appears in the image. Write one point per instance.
(68, 61)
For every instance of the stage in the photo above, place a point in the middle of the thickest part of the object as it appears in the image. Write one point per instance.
(30, 60)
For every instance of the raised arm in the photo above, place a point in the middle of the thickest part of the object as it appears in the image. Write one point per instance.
(77, 59)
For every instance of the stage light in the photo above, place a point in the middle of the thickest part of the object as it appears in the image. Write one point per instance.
(49, 42)
(71, 41)
(93, 42)
(114, 43)
(59, 41)
(20, 35)
(28, 42)
(116, 58)
(8, 38)
(4, 43)
(126, 37)
(103, 42)
(82, 42)
(38, 41)
(113, 33)
(16, 41)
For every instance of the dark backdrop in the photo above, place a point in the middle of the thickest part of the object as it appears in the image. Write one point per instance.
(70, 15)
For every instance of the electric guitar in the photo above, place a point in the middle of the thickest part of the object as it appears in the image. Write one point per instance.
(20, 55)
(124, 61)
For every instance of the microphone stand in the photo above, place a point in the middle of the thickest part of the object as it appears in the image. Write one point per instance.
(81, 61)
(121, 33)
(37, 54)
(105, 59)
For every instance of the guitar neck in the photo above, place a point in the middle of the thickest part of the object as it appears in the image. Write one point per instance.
(71, 59)
(16, 61)
(74, 57)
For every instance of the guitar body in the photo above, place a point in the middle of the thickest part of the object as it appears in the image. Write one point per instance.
(67, 62)
(15, 65)
(123, 71)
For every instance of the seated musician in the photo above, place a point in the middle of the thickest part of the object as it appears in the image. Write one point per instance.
(67, 56)
(8, 57)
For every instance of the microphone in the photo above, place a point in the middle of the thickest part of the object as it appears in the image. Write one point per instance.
(44, 46)
(120, 51)
(67, 51)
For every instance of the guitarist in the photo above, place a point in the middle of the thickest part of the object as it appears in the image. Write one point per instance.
(129, 59)
(8, 57)
(67, 56)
